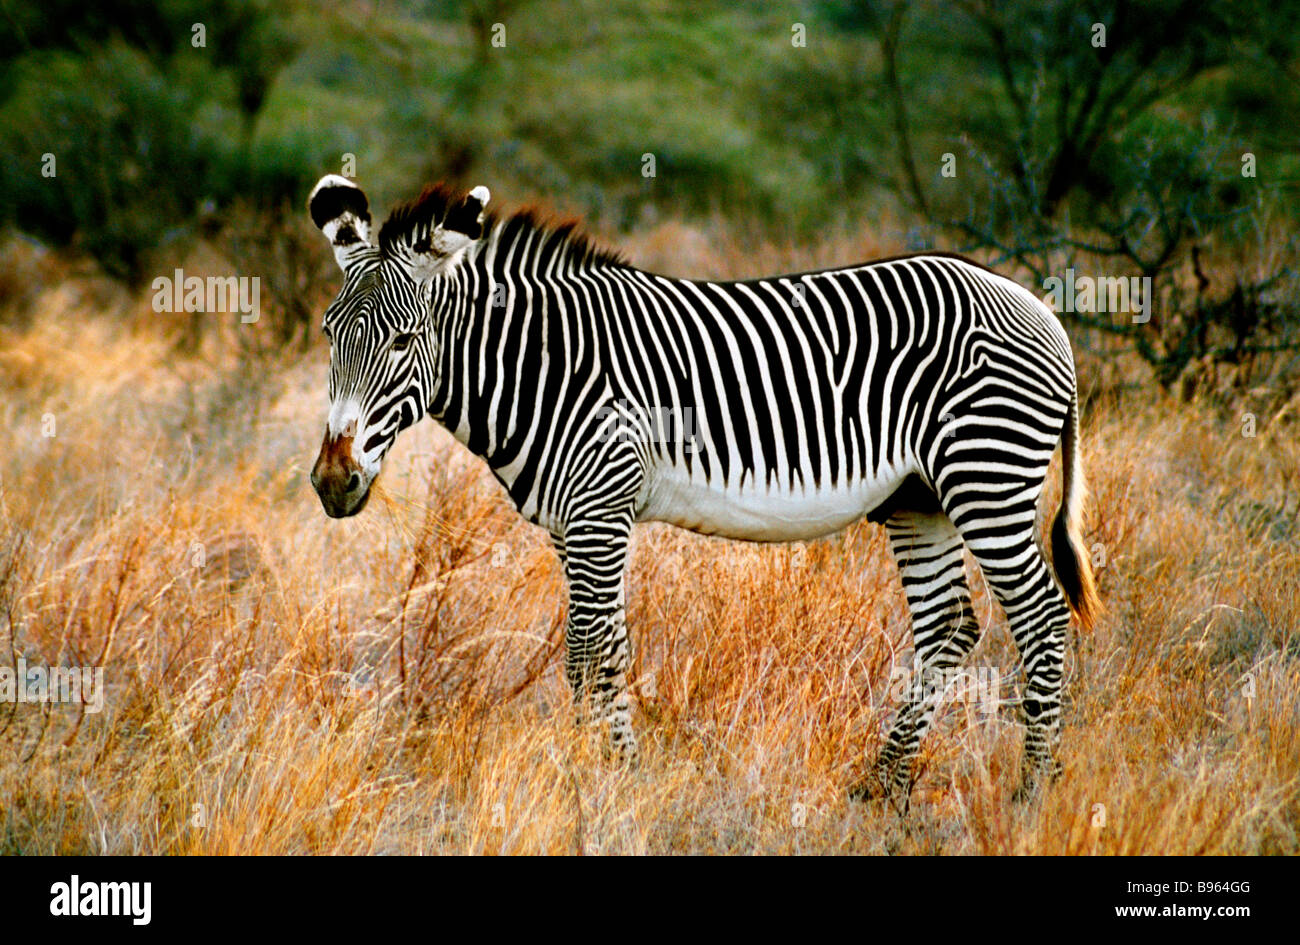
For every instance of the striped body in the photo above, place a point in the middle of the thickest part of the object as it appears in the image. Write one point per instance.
(791, 420)
(924, 392)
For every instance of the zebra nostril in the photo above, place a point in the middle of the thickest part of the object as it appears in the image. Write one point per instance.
(354, 481)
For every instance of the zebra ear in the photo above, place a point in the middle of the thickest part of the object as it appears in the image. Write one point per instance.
(462, 225)
(466, 217)
(340, 209)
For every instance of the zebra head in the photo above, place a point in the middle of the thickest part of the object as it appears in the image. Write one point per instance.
(384, 343)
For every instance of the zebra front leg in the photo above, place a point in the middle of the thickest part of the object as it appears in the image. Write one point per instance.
(597, 653)
(928, 551)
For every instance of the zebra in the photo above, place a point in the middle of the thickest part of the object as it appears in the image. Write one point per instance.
(924, 392)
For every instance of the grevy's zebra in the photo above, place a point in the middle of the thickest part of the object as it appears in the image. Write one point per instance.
(924, 392)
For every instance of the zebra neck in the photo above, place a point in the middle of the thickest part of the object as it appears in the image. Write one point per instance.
(511, 353)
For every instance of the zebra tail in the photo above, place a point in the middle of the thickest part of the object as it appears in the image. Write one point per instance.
(1069, 556)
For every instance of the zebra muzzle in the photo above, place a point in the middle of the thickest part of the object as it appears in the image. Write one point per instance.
(338, 479)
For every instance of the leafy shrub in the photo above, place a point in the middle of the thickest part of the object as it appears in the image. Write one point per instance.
(116, 131)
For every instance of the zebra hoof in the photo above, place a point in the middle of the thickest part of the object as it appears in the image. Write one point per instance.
(868, 789)
(1033, 780)
(1026, 792)
(624, 753)
(878, 787)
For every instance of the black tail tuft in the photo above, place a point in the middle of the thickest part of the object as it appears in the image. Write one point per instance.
(1074, 571)
(1073, 568)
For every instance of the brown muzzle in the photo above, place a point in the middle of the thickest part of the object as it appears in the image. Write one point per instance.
(337, 478)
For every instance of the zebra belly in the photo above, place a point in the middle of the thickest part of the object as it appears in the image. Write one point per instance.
(755, 514)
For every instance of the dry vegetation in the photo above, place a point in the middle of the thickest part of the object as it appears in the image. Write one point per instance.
(278, 682)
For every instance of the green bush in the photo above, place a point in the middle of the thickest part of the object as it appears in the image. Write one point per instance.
(116, 144)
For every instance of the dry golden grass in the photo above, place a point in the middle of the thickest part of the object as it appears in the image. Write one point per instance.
(278, 682)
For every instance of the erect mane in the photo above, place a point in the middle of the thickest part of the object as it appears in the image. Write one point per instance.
(443, 204)
(559, 233)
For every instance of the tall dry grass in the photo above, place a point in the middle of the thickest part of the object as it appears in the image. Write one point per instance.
(278, 682)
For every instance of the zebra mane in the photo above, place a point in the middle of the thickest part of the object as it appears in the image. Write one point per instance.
(557, 234)
(440, 203)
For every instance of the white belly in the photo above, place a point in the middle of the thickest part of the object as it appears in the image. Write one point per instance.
(758, 514)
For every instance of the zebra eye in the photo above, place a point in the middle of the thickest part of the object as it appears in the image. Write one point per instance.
(403, 341)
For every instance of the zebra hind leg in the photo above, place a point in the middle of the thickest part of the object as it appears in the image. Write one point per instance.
(928, 550)
(1014, 566)
(597, 652)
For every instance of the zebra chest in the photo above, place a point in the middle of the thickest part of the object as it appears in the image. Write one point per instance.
(754, 513)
